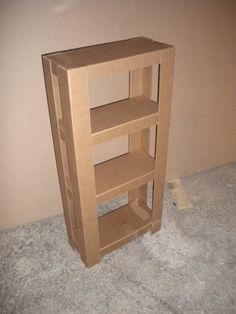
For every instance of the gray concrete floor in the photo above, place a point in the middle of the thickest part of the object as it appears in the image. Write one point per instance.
(188, 267)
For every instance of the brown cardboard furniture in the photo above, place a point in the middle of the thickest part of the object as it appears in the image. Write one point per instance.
(76, 127)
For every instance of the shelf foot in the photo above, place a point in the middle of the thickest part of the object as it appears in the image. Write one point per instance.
(156, 226)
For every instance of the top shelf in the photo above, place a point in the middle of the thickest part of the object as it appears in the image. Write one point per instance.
(86, 56)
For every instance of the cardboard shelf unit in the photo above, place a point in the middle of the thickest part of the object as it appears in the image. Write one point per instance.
(76, 128)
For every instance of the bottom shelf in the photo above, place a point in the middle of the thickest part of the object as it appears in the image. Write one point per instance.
(123, 225)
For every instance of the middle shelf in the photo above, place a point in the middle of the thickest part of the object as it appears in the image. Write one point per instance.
(122, 117)
(123, 173)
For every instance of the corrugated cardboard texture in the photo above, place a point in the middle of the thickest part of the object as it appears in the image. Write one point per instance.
(203, 127)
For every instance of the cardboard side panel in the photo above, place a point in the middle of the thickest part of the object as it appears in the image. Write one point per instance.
(165, 90)
(55, 113)
(140, 84)
(76, 118)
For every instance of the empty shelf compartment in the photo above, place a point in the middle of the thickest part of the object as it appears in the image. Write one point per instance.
(123, 173)
(122, 117)
(123, 225)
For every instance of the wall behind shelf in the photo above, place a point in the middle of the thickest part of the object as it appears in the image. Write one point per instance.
(203, 118)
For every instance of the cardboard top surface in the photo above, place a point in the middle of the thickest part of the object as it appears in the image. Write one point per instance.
(91, 55)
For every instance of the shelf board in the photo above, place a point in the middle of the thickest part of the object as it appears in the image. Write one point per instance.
(122, 117)
(123, 173)
(123, 225)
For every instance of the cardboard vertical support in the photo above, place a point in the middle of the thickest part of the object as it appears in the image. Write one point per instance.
(54, 106)
(76, 117)
(165, 92)
(140, 84)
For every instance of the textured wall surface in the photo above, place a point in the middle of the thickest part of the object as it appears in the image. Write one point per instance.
(203, 124)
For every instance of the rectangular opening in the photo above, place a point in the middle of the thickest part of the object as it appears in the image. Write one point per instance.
(121, 225)
(123, 173)
(122, 117)
(120, 167)
(108, 89)
(155, 82)
(110, 149)
(121, 219)
(123, 199)
(113, 204)
(57, 97)
(123, 103)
